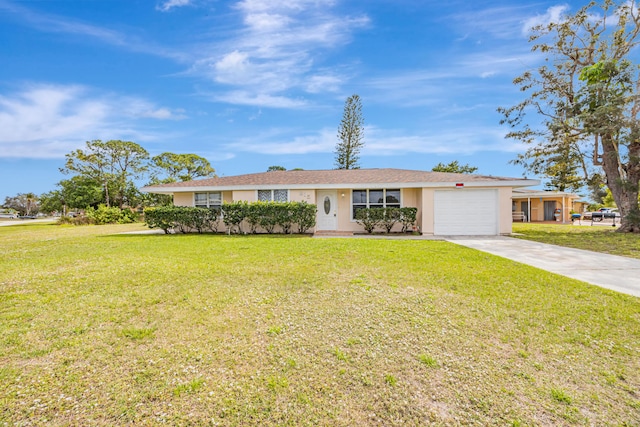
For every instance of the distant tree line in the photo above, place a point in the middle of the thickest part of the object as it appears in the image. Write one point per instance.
(106, 173)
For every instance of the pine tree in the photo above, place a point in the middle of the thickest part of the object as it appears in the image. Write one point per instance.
(350, 134)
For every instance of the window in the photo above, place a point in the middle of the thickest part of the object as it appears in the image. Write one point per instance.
(208, 200)
(377, 198)
(273, 195)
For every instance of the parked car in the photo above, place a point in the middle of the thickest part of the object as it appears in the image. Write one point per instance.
(602, 213)
(610, 210)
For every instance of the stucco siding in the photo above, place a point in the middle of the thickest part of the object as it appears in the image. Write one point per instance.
(504, 210)
(411, 198)
(426, 217)
(183, 199)
(245, 195)
(308, 196)
(344, 212)
(419, 206)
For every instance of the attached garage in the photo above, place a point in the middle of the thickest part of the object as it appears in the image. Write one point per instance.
(466, 212)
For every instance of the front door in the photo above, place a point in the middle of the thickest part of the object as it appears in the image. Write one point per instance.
(327, 210)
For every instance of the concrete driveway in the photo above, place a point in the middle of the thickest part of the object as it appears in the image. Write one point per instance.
(618, 273)
(25, 221)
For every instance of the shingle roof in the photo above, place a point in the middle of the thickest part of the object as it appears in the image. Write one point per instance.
(345, 178)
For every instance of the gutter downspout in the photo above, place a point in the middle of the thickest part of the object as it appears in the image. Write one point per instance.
(529, 209)
(564, 212)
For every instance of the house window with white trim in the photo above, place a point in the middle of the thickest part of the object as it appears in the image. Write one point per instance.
(208, 200)
(376, 198)
(273, 195)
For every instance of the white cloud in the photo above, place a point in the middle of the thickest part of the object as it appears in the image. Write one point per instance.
(50, 23)
(57, 24)
(232, 67)
(276, 51)
(259, 100)
(138, 108)
(273, 50)
(278, 144)
(256, 6)
(553, 14)
(48, 121)
(381, 142)
(170, 4)
(470, 140)
(501, 23)
(265, 22)
(323, 83)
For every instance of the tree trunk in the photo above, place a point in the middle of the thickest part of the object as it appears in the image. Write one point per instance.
(624, 189)
(106, 193)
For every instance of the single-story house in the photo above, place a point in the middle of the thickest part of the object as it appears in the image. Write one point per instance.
(540, 205)
(447, 203)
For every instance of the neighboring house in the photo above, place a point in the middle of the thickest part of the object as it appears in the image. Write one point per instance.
(448, 204)
(539, 205)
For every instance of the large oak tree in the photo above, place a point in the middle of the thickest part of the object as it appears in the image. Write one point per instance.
(582, 104)
(182, 167)
(114, 164)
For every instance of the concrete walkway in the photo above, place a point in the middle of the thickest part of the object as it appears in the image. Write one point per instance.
(618, 273)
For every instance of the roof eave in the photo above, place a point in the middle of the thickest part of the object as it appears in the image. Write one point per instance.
(358, 186)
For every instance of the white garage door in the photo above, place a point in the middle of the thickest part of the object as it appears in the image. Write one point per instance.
(464, 212)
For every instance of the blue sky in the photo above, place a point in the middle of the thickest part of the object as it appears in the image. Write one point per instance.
(253, 83)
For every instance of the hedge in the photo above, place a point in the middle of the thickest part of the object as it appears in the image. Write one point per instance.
(386, 218)
(237, 217)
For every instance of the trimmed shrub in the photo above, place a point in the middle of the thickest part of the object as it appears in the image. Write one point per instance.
(266, 215)
(389, 218)
(197, 218)
(164, 217)
(284, 214)
(233, 214)
(214, 216)
(408, 218)
(254, 215)
(369, 218)
(305, 216)
(386, 218)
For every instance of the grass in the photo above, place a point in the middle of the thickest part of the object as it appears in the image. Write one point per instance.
(561, 396)
(593, 238)
(100, 328)
(428, 360)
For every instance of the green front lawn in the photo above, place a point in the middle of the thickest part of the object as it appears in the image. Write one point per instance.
(98, 328)
(598, 238)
